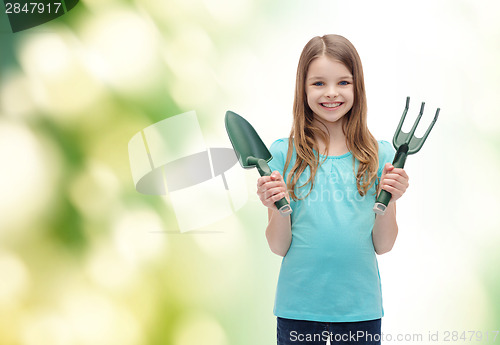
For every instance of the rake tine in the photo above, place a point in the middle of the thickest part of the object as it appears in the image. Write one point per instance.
(398, 130)
(414, 128)
(422, 140)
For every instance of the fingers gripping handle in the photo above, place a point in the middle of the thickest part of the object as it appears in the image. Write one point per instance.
(282, 204)
(384, 197)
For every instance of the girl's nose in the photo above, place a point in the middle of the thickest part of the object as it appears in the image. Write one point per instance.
(332, 92)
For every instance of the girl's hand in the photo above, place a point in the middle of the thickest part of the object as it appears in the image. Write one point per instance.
(394, 180)
(271, 189)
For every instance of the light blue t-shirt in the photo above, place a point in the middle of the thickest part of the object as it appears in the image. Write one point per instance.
(330, 272)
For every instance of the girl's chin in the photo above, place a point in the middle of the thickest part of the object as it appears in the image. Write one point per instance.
(328, 119)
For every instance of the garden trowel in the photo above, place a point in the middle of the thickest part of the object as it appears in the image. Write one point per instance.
(251, 151)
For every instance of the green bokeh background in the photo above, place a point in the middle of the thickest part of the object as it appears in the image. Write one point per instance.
(85, 259)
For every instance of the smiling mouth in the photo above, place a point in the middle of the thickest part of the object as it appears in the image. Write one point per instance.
(331, 105)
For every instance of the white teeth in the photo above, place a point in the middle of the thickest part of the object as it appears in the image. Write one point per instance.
(330, 105)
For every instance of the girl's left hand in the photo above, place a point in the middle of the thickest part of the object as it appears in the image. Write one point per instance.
(394, 180)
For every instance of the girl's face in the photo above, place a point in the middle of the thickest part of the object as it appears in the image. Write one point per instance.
(329, 89)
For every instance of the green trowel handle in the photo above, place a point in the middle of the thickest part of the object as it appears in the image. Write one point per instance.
(282, 204)
(384, 197)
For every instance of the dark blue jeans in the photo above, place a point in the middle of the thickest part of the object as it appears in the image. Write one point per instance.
(298, 332)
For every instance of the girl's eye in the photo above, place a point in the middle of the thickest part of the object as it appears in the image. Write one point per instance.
(343, 83)
(318, 83)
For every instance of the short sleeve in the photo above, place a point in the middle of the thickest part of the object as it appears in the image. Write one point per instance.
(385, 155)
(278, 150)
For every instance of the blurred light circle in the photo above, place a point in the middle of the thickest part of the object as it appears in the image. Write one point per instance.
(122, 49)
(102, 268)
(27, 178)
(95, 319)
(137, 236)
(14, 278)
(59, 82)
(46, 55)
(44, 327)
(95, 190)
(15, 96)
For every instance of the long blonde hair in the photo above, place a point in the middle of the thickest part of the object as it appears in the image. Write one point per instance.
(359, 140)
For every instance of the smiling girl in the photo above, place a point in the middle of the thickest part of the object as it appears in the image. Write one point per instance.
(330, 169)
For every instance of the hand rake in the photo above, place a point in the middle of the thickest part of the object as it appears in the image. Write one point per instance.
(405, 144)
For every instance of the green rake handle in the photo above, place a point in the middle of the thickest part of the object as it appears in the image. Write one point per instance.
(282, 205)
(384, 197)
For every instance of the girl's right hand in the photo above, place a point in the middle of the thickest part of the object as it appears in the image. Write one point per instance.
(271, 189)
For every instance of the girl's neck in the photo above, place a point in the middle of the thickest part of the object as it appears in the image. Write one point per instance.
(337, 145)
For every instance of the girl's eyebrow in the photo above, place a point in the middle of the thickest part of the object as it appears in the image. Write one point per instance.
(321, 77)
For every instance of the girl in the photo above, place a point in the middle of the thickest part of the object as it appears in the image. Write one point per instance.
(330, 169)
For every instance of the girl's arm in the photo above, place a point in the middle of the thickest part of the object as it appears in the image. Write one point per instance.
(279, 231)
(385, 230)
